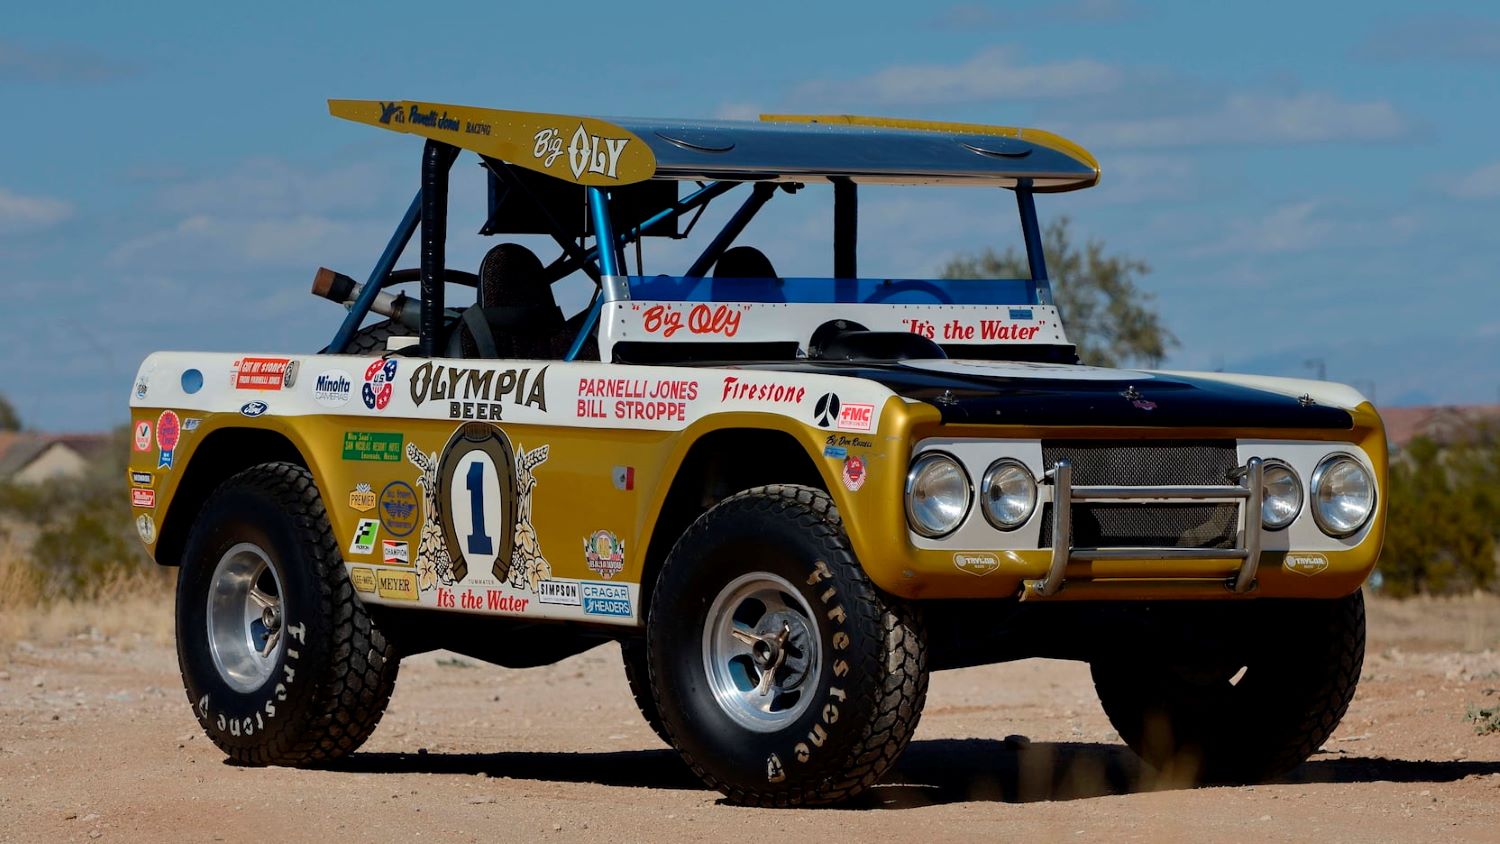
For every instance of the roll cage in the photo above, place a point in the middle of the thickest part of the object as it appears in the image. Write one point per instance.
(620, 215)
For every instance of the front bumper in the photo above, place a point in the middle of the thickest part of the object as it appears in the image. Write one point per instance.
(978, 562)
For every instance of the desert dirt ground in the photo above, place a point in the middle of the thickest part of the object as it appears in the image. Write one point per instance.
(97, 742)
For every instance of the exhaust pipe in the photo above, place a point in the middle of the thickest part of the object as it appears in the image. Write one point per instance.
(341, 289)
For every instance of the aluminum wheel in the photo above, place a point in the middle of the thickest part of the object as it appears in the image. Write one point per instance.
(762, 652)
(244, 617)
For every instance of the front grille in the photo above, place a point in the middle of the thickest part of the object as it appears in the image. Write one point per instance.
(1097, 525)
(1147, 463)
(1144, 463)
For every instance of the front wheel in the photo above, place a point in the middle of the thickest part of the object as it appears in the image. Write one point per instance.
(1252, 713)
(782, 675)
(281, 662)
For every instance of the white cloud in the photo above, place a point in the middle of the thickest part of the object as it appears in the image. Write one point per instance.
(993, 74)
(20, 213)
(1481, 183)
(1139, 178)
(204, 240)
(968, 17)
(1310, 117)
(738, 111)
(1309, 225)
(58, 63)
(274, 187)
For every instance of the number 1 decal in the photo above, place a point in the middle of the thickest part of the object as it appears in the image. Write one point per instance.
(477, 479)
(479, 541)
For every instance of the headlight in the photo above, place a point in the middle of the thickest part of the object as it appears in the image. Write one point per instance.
(937, 494)
(1343, 495)
(1008, 494)
(1281, 495)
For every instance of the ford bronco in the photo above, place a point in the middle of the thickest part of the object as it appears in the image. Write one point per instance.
(787, 499)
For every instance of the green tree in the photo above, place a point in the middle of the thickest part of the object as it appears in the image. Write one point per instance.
(1108, 317)
(9, 419)
(1441, 529)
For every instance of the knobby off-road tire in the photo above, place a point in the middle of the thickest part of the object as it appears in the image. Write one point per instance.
(1300, 672)
(852, 675)
(370, 341)
(327, 678)
(638, 675)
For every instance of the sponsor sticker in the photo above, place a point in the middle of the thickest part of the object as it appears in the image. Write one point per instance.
(261, 373)
(146, 528)
(373, 446)
(611, 599)
(761, 392)
(400, 585)
(977, 563)
(837, 452)
(587, 152)
(826, 410)
(364, 536)
(843, 441)
(168, 431)
(362, 499)
(395, 553)
(635, 398)
(476, 392)
(854, 472)
(140, 388)
(333, 388)
(398, 508)
(362, 578)
(253, 408)
(143, 436)
(380, 376)
(191, 424)
(142, 478)
(668, 319)
(1021, 313)
(857, 417)
(623, 478)
(560, 592)
(605, 553)
(143, 498)
(192, 381)
(1306, 565)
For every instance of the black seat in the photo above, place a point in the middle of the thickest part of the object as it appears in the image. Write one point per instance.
(732, 274)
(515, 315)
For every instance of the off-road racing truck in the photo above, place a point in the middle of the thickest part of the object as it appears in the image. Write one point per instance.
(788, 499)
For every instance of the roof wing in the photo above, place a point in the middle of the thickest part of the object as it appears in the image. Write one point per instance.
(1035, 136)
(581, 150)
(787, 148)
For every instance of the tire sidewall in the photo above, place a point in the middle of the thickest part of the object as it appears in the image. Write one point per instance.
(237, 720)
(734, 539)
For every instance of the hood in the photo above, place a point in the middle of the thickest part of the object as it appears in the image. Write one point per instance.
(1043, 394)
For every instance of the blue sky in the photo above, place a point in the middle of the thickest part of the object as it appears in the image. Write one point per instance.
(1307, 181)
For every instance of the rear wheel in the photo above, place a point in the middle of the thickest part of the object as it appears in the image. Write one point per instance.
(281, 662)
(1254, 714)
(782, 675)
(638, 675)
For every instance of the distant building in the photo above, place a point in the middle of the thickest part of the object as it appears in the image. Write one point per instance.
(29, 458)
(1449, 424)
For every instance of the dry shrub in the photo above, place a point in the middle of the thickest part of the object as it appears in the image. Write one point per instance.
(127, 603)
(20, 591)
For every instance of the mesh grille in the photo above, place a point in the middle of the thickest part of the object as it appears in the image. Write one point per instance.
(1146, 525)
(1144, 463)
